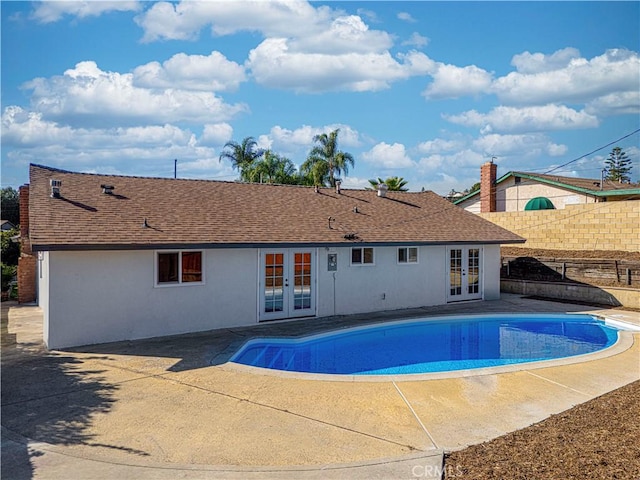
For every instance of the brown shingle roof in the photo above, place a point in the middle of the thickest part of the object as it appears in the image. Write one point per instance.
(583, 183)
(212, 213)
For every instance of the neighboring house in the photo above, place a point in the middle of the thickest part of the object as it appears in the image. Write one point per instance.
(518, 191)
(6, 225)
(129, 257)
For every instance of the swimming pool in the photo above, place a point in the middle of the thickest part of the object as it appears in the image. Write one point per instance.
(432, 345)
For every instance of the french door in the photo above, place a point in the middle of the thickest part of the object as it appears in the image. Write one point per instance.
(287, 284)
(465, 275)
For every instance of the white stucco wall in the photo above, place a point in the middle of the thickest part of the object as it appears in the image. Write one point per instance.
(361, 288)
(103, 296)
(491, 271)
(42, 287)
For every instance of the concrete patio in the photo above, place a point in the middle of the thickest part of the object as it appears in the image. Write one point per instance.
(172, 407)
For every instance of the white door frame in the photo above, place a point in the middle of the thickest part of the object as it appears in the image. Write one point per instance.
(286, 283)
(464, 272)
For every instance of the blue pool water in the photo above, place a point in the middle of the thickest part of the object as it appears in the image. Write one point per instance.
(432, 345)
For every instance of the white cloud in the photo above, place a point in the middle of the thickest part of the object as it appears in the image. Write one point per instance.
(528, 119)
(296, 144)
(439, 145)
(581, 80)
(406, 17)
(388, 156)
(116, 150)
(538, 62)
(623, 103)
(191, 72)
(346, 34)
(89, 96)
(303, 136)
(463, 158)
(519, 146)
(354, 183)
(216, 134)
(416, 40)
(368, 14)
(52, 11)
(24, 128)
(185, 20)
(274, 65)
(450, 81)
(305, 49)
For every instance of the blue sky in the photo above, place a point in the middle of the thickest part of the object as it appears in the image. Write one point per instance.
(427, 91)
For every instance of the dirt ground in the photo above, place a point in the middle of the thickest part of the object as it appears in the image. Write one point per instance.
(595, 440)
(591, 254)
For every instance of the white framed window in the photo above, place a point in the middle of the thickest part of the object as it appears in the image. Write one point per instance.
(179, 267)
(408, 255)
(362, 256)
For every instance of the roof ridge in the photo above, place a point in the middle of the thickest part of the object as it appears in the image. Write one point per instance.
(231, 182)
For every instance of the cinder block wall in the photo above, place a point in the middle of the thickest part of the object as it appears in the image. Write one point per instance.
(594, 226)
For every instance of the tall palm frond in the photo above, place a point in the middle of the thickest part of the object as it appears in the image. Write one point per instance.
(325, 160)
(242, 156)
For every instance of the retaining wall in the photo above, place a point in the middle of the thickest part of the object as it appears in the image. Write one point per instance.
(594, 226)
(614, 296)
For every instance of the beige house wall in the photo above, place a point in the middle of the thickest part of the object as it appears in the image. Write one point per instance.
(594, 226)
(512, 197)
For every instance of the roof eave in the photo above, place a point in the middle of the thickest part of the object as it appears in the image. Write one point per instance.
(202, 246)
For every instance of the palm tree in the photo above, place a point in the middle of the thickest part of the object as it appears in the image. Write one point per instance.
(395, 184)
(273, 168)
(325, 160)
(242, 156)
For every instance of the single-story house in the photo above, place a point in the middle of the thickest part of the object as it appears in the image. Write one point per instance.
(518, 191)
(120, 257)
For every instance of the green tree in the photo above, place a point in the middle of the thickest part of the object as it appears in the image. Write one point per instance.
(618, 166)
(325, 161)
(242, 156)
(395, 184)
(475, 187)
(10, 205)
(272, 168)
(10, 249)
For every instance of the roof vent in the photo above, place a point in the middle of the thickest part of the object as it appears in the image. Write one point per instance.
(107, 189)
(338, 187)
(382, 190)
(55, 188)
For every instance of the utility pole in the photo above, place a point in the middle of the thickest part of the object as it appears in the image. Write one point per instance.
(175, 168)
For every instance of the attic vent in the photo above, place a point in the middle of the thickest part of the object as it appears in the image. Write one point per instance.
(107, 189)
(55, 188)
(382, 190)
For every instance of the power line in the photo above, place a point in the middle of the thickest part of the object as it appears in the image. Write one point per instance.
(594, 151)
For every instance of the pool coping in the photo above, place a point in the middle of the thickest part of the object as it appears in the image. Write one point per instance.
(451, 413)
(624, 342)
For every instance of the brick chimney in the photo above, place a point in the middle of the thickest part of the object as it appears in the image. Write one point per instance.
(27, 263)
(24, 218)
(488, 173)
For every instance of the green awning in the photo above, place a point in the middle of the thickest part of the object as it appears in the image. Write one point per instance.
(539, 203)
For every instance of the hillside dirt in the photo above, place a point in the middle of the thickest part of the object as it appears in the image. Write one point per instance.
(590, 254)
(595, 440)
